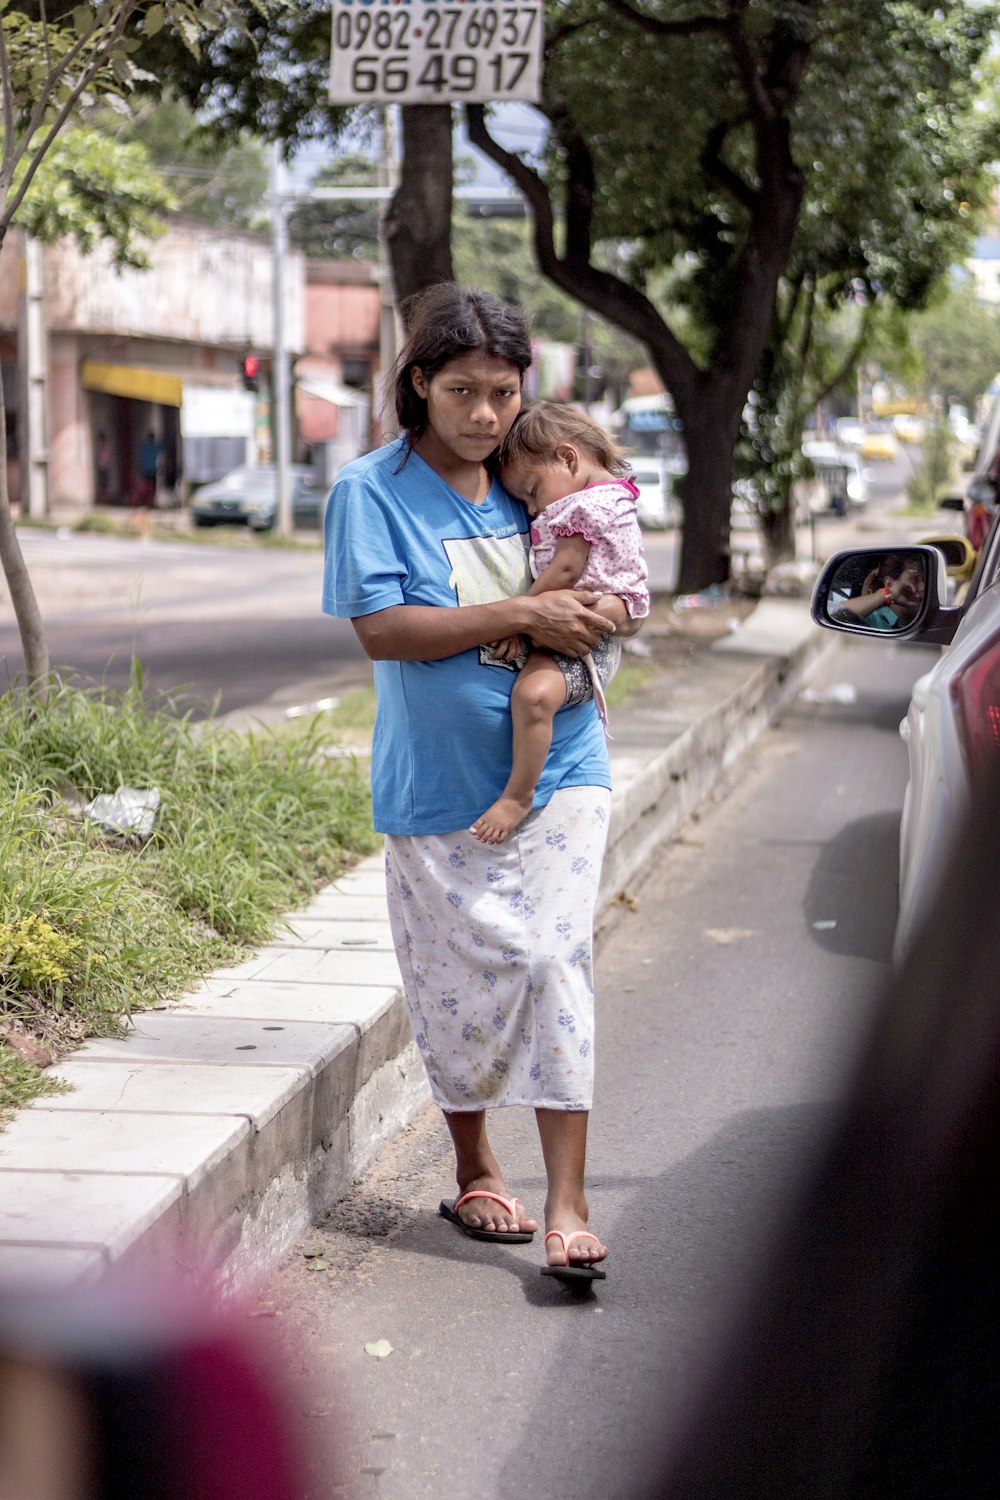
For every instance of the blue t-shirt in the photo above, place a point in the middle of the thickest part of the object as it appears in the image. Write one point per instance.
(441, 752)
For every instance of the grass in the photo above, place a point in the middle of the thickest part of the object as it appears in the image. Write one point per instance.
(92, 928)
(628, 679)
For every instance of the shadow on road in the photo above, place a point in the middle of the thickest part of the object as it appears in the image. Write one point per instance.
(855, 885)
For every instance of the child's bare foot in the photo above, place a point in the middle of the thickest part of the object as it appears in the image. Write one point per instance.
(501, 819)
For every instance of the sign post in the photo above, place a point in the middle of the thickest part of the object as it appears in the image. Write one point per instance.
(432, 52)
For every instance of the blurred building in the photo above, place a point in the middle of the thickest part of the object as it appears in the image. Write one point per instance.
(105, 371)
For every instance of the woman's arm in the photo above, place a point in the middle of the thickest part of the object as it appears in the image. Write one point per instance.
(562, 620)
(566, 567)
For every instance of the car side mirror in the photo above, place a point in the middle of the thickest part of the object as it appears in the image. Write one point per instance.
(897, 593)
(958, 553)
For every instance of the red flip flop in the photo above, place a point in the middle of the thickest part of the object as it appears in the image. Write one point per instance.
(570, 1271)
(449, 1207)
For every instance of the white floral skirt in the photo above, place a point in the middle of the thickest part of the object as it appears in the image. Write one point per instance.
(495, 946)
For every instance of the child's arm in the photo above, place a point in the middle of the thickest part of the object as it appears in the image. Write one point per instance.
(566, 567)
(567, 564)
(563, 571)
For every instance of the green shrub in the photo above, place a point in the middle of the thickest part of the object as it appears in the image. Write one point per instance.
(92, 928)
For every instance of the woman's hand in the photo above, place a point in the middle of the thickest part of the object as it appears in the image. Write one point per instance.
(565, 621)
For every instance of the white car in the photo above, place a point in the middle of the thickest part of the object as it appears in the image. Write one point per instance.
(952, 727)
(655, 505)
(840, 482)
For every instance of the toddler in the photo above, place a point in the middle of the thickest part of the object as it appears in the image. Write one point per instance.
(585, 534)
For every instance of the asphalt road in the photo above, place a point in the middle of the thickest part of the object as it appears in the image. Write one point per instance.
(238, 623)
(731, 1000)
(241, 624)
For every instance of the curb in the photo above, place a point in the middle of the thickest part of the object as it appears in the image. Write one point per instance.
(653, 799)
(209, 1138)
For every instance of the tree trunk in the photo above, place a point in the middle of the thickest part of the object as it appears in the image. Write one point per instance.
(711, 423)
(777, 533)
(22, 595)
(418, 220)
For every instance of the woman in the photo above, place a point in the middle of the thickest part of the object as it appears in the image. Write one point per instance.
(427, 555)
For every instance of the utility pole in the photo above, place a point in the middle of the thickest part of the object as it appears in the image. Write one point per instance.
(388, 333)
(34, 361)
(281, 426)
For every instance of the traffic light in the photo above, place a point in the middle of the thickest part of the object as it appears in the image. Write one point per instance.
(251, 372)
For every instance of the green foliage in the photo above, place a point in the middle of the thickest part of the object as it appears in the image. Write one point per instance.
(20, 1082)
(60, 60)
(957, 341)
(249, 826)
(267, 75)
(92, 189)
(935, 472)
(337, 227)
(35, 956)
(224, 184)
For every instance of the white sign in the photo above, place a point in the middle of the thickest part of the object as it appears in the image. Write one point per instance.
(435, 52)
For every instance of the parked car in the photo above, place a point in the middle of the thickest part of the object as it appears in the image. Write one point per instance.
(655, 505)
(248, 496)
(879, 445)
(952, 727)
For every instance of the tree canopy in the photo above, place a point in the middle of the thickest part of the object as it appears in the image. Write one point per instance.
(733, 148)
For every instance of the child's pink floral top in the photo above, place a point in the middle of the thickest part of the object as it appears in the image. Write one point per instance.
(605, 515)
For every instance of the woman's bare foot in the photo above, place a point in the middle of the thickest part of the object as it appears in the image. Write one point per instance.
(501, 819)
(565, 1250)
(486, 1213)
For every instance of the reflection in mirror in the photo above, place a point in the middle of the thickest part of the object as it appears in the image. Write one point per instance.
(878, 592)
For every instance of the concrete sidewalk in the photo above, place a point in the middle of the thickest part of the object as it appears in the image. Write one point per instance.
(215, 1131)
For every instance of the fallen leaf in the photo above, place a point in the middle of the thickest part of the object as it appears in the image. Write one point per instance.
(727, 935)
(26, 1048)
(317, 1263)
(381, 1349)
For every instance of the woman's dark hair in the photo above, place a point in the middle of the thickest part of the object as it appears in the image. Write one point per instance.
(445, 321)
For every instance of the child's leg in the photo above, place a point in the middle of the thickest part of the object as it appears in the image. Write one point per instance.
(540, 690)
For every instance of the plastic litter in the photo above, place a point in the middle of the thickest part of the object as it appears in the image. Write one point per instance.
(714, 595)
(129, 811)
(840, 692)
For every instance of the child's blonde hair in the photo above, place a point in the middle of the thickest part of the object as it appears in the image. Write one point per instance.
(539, 429)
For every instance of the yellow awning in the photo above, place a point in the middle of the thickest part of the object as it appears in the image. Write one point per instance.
(130, 380)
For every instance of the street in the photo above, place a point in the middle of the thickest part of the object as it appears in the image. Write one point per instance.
(243, 623)
(733, 983)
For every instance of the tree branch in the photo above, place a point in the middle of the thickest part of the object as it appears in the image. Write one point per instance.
(597, 289)
(87, 77)
(658, 26)
(714, 166)
(7, 105)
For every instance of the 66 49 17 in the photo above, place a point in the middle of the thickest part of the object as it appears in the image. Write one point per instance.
(423, 52)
